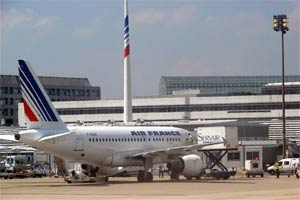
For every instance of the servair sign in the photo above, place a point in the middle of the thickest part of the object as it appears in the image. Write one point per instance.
(208, 138)
(210, 134)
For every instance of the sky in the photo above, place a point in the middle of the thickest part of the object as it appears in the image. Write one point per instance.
(84, 38)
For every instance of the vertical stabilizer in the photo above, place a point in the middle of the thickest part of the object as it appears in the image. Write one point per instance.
(127, 77)
(38, 108)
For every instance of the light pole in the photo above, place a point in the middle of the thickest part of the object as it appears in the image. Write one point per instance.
(280, 24)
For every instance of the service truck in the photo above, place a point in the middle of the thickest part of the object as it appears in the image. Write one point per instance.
(253, 168)
(287, 165)
(13, 163)
(16, 166)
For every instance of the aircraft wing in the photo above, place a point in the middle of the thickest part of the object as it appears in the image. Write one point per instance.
(175, 151)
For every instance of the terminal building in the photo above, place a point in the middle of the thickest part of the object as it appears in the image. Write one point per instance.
(58, 88)
(188, 110)
(212, 85)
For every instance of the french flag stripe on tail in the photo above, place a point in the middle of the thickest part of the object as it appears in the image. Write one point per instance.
(33, 90)
(32, 96)
(26, 95)
(31, 116)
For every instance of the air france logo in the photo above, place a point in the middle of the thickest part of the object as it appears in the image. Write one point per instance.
(208, 138)
(155, 133)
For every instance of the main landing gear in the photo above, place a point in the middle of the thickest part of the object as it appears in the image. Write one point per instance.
(146, 175)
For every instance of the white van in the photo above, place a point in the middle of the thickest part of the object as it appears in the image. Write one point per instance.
(253, 168)
(287, 165)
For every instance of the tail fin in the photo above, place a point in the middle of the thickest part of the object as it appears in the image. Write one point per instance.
(38, 108)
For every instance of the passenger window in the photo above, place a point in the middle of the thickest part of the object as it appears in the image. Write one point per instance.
(255, 165)
(131, 139)
(125, 139)
(93, 140)
(137, 139)
(149, 139)
(113, 139)
(109, 139)
(96, 139)
(144, 139)
(122, 140)
(134, 139)
(286, 163)
(90, 139)
(159, 139)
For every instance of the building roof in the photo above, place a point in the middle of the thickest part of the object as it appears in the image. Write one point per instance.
(48, 81)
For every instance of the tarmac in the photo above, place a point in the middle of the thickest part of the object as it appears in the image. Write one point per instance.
(239, 187)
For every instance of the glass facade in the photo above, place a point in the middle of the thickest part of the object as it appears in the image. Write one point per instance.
(219, 85)
(233, 107)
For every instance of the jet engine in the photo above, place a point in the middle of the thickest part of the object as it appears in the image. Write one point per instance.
(189, 166)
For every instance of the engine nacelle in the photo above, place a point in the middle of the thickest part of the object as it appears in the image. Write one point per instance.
(189, 165)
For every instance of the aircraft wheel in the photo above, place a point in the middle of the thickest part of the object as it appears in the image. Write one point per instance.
(125, 174)
(106, 179)
(174, 176)
(140, 176)
(148, 177)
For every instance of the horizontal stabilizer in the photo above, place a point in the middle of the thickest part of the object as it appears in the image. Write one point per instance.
(54, 136)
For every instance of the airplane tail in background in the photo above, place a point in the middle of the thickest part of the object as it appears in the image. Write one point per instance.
(38, 108)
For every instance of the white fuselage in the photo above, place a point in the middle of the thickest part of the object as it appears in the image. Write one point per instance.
(107, 146)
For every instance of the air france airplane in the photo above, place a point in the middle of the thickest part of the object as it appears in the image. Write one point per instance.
(105, 148)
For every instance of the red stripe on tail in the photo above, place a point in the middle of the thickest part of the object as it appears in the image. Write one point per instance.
(31, 116)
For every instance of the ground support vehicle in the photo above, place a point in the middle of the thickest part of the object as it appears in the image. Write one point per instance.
(215, 156)
(253, 168)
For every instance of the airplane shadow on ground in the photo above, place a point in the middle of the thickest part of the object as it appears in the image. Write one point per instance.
(207, 181)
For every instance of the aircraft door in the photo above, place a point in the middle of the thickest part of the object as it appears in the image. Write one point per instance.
(79, 142)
